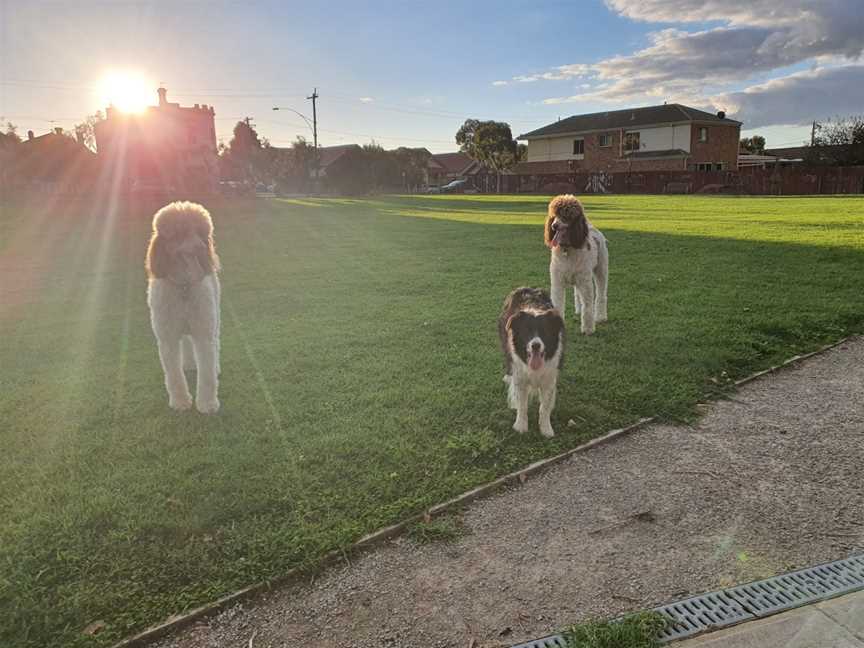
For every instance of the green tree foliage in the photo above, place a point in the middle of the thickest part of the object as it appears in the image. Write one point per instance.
(413, 165)
(839, 141)
(489, 142)
(85, 132)
(244, 158)
(754, 145)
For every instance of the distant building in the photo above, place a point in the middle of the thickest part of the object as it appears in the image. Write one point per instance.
(655, 138)
(446, 167)
(52, 163)
(167, 147)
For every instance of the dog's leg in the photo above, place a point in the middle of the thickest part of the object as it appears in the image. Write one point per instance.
(547, 404)
(585, 288)
(179, 397)
(557, 291)
(187, 353)
(601, 277)
(207, 355)
(519, 396)
(577, 301)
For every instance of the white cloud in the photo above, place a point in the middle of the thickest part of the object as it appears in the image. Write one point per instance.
(499, 83)
(755, 38)
(366, 99)
(798, 98)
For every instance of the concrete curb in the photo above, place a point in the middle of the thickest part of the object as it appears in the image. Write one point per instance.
(376, 538)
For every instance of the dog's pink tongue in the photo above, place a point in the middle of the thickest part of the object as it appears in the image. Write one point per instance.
(535, 362)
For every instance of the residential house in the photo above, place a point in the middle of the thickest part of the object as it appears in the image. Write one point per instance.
(168, 146)
(51, 163)
(446, 167)
(654, 138)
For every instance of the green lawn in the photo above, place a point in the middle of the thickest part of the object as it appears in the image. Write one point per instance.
(361, 377)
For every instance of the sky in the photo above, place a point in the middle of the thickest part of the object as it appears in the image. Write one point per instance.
(409, 73)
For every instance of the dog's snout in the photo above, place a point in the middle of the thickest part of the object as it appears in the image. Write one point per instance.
(536, 347)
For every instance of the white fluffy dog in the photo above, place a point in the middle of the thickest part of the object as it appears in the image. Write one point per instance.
(183, 295)
(580, 258)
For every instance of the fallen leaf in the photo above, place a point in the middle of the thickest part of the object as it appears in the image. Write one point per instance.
(94, 628)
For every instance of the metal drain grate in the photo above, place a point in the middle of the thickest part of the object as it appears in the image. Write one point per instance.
(552, 641)
(773, 595)
(700, 614)
(754, 600)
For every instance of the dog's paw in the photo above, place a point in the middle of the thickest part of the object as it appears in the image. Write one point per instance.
(546, 430)
(587, 329)
(180, 404)
(208, 407)
(521, 426)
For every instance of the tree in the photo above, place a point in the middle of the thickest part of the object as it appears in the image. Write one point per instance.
(243, 158)
(85, 132)
(350, 174)
(754, 145)
(11, 134)
(413, 165)
(838, 141)
(489, 142)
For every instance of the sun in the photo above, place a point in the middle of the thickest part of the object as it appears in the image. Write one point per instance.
(126, 91)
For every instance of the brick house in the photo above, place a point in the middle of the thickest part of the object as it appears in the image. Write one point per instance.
(446, 167)
(671, 137)
(167, 146)
(52, 163)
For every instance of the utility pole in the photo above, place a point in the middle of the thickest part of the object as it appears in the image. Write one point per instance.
(314, 118)
(315, 135)
(813, 134)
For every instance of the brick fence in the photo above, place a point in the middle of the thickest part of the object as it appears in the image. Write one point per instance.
(778, 181)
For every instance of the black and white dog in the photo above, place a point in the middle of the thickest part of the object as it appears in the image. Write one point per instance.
(532, 339)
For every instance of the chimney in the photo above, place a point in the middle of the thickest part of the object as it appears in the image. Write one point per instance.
(58, 130)
(30, 135)
(721, 114)
(163, 96)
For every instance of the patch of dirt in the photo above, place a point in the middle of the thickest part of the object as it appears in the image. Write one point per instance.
(768, 481)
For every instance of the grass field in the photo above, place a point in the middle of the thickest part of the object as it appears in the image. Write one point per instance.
(361, 376)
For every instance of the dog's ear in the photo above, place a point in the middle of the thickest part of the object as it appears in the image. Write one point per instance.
(211, 260)
(158, 260)
(513, 324)
(578, 230)
(548, 232)
(553, 323)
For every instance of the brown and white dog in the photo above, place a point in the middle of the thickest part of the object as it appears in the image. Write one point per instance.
(580, 258)
(184, 294)
(532, 340)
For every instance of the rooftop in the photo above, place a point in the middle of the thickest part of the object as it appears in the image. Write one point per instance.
(628, 118)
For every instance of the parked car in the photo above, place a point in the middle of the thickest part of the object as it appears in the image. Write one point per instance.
(456, 186)
(432, 190)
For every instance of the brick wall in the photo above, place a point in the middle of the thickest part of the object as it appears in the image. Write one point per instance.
(722, 145)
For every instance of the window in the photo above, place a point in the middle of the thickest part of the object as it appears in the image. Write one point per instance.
(631, 141)
(703, 134)
(579, 146)
(605, 139)
(710, 166)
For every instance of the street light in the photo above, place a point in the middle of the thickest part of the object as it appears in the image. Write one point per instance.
(313, 127)
(305, 118)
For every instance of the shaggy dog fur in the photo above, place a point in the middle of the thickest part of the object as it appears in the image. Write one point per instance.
(580, 258)
(532, 340)
(183, 295)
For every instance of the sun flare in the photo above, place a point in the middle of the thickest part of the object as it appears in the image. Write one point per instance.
(126, 91)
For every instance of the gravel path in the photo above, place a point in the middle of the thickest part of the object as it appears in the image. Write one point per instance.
(768, 481)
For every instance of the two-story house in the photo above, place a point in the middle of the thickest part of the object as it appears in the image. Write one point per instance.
(671, 137)
(168, 145)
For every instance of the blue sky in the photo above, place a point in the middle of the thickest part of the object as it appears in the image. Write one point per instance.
(409, 73)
